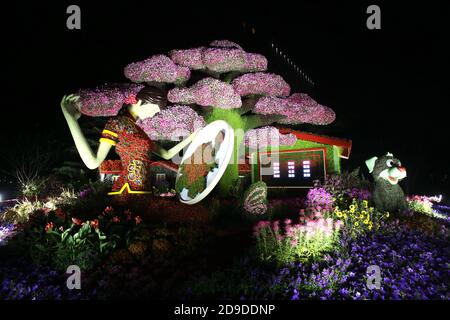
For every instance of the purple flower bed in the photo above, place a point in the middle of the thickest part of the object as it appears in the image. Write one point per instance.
(413, 266)
(6, 232)
(25, 281)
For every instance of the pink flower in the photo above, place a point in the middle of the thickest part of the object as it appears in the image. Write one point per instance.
(268, 136)
(157, 68)
(276, 226)
(298, 108)
(223, 56)
(207, 92)
(116, 219)
(266, 84)
(172, 123)
(106, 100)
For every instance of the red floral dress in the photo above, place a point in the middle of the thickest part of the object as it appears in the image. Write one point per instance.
(134, 149)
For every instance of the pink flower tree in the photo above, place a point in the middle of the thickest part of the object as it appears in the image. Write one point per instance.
(234, 86)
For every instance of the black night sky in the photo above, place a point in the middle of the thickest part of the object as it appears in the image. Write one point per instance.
(388, 87)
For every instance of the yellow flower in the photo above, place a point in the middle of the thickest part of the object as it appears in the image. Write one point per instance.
(370, 227)
(345, 216)
(365, 203)
(387, 214)
(339, 214)
(366, 221)
(356, 223)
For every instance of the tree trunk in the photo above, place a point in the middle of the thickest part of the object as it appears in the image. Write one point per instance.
(234, 119)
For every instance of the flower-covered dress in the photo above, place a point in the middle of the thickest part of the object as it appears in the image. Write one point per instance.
(134, 149)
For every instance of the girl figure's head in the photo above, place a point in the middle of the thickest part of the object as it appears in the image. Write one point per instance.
(150, 100)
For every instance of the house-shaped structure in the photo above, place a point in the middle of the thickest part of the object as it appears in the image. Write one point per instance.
(311, 158)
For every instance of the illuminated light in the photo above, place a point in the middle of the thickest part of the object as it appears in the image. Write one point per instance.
(291, 162)
(306, 171)
(307, 175)
(276, 175)
(291, 171)
(291, 175)
(306, 162)
(306, 166)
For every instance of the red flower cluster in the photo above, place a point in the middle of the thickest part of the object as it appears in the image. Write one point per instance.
(77, 221)
(95, 224)
(49, 226)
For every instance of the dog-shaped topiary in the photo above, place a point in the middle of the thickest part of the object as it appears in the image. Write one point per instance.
(386, 172)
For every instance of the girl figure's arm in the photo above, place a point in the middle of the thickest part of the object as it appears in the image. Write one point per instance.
(169, 154)
(71, 114)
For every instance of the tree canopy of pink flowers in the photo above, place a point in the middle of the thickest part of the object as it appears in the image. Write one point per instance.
(223, 56)
(157, 68)
(207, 92)
(298, 108)
(260, 83)
(268, 136)
(106, 100)
(172, 123)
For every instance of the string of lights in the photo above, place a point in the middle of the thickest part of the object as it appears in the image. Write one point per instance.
(291, 63)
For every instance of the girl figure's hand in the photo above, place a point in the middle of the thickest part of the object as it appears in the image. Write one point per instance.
(68, 106)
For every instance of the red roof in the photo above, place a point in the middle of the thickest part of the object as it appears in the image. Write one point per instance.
(307, 136)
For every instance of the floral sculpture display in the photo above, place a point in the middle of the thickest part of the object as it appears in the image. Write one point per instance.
(233, 86)
(237, 88)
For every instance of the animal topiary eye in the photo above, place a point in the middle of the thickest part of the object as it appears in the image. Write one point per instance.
(390, 163)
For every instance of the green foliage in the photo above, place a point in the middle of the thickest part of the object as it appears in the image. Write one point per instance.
(33, 187)
(91, 200)
(73, 174)
(83, 246)
(194, 188)
(255, 199)
(22, 211)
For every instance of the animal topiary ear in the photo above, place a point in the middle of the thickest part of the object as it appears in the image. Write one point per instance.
(370, 163)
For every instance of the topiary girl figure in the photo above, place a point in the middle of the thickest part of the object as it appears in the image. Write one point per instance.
(127, 104)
